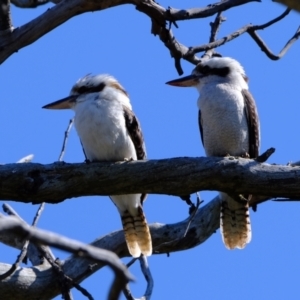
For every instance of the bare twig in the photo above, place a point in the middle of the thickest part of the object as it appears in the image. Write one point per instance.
(34, 253)
(23, 252)
(122, 276)
(19, 259)
(62, 153)
(215, 26)
(147, 274)
(38, 214)
(10, 211)
(83, 291)
(65, 282)
(127, 293)
(193, 213)
(133, 260)
(265, 48)
(265, 156)
(251, 30)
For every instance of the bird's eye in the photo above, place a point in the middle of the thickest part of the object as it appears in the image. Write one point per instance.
(83, 89)
(205, 70)
(90, 89)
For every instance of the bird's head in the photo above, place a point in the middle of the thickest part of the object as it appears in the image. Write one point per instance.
(99, 86)
(214, 71)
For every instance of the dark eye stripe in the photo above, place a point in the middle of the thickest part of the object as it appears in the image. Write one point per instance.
(90, 89)
(206, 70)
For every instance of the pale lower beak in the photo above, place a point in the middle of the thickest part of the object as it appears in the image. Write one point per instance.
(65, 103)
(186, 81)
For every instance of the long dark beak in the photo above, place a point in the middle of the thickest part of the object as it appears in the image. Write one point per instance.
(186, 81)
(65, 103)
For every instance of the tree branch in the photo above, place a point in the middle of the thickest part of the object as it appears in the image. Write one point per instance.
(30, 3)
(251, 30)
(148, 276)
(56, 182)
(11, 225)
(166, 238)
(34, 253)
(65, 10)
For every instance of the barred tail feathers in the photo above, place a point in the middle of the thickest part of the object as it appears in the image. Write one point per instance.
(137, 234)
(235, 223)
(130, 234)
(143, 233)
(136, 230)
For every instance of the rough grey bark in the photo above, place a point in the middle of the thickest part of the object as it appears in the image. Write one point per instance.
(26, 283)
(56, 182)
(166, 238)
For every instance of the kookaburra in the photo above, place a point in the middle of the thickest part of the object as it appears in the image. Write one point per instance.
(109, 131)
(229, 125)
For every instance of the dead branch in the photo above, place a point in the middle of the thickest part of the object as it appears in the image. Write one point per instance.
(30, 3)
(66, 135)
(34, 253)
(147, 274)
(24, 249)
(11, 225)
(63, 11)
(36, 183)
(166, 238)
(251, 30)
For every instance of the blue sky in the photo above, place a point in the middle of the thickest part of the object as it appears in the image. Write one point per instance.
(118, 41)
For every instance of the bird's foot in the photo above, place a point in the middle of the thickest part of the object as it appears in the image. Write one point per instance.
(128, 159)
(125, 160)
(245, 155)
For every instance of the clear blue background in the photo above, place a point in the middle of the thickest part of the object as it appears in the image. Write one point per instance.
(118, 41)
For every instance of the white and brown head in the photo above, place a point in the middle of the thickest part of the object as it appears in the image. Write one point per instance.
(214, 71)
(88, 87)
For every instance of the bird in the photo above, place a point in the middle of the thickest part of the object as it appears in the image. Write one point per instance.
(110, 131)
(229, 125)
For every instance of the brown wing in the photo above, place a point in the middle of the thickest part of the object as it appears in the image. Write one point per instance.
(253, 123)
(200, 126)
(135, 132)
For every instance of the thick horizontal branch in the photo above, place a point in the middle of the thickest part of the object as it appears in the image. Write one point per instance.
(53, 183)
